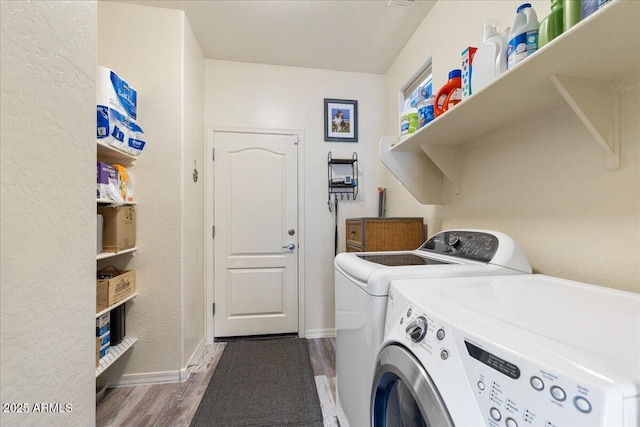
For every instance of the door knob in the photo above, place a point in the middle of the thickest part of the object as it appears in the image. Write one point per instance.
(290, 246)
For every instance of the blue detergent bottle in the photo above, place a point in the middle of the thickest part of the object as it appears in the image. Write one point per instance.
(523, 38)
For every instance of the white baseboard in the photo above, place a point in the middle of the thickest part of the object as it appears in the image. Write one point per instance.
(197, 355)
(319, 333)
(147, 378)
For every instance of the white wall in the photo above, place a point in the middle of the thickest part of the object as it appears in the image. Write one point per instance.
(47, 297)
(265, 96)
(154, 50)
(193, 195)
(542, 181)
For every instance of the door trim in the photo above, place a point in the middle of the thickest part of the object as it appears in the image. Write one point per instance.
(209, 216)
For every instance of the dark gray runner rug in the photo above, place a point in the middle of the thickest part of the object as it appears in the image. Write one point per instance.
(261, 383)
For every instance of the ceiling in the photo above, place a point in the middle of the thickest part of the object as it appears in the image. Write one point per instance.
(347, 35)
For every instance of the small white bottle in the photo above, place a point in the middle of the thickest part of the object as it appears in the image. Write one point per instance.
(490, 60)
(523, 38)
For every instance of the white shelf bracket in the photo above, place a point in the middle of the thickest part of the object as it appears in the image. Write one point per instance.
(447, 159)
(597, 105)
(419, 175)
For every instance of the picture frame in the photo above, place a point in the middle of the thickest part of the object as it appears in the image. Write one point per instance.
(340, 120)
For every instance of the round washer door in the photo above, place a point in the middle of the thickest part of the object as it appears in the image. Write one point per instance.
(403, 393)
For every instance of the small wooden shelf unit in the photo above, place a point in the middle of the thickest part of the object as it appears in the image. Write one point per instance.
(383, 234)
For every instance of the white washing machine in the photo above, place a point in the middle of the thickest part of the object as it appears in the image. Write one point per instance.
(517, 351)
(362, 286)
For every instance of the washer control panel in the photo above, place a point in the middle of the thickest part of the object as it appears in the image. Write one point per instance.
(473, 245)
(513, 390)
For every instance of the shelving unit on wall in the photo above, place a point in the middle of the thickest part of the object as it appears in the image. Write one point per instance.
(109, 154)
(116, 352)
(105, 255)
(340, 183)
(588, 68)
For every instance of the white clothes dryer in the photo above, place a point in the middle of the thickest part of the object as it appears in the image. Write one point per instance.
(362, 286)
(517, 351)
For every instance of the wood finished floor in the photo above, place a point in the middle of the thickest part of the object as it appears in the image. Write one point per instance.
(175, 404)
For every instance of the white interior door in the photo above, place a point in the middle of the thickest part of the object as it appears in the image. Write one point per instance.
(256, 234)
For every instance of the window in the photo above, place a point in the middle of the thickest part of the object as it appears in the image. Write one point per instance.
(411, 92)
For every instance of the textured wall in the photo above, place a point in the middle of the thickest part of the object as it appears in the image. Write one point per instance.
(144, 45)
(193, 195)
(264, 96)
(542, 181)
(47, 296)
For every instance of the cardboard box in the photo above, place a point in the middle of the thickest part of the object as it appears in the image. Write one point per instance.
(105, 339)
(97, 352)
(104, 350)
(119, 287)
(467, 70)
(102, 324)
(119, 228)
(102, 296)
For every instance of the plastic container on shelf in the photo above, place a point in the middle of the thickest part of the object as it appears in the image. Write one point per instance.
(553, 24)
(523, 38)
(490, 59)
(409, 120)
(572, 13)
(425, 111)
(449, 94)
(425, 91)
(590, 6)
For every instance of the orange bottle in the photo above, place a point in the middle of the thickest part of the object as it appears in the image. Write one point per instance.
(449, 94)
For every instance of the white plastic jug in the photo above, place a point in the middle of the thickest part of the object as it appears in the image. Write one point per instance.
(490, 60)
(523, 38)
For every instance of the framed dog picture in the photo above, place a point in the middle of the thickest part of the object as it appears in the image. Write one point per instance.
(340, 120)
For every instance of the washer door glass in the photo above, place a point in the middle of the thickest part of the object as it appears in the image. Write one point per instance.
(404, 395)
(400, 408)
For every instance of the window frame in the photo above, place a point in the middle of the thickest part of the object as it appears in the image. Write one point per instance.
(422, 76)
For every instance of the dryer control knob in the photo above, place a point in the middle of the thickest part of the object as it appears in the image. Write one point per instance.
(417, 329)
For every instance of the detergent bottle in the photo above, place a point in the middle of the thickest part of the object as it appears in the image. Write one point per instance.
(572, 13)
(409, 119)
(425, 111)
(490, 60)
(449, 94)
(590, 6)
(553, 25)
(523, 38)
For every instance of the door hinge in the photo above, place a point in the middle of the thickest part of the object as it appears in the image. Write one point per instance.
(213, 154)
(213, 308)
(296, 140)
(213, 231)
